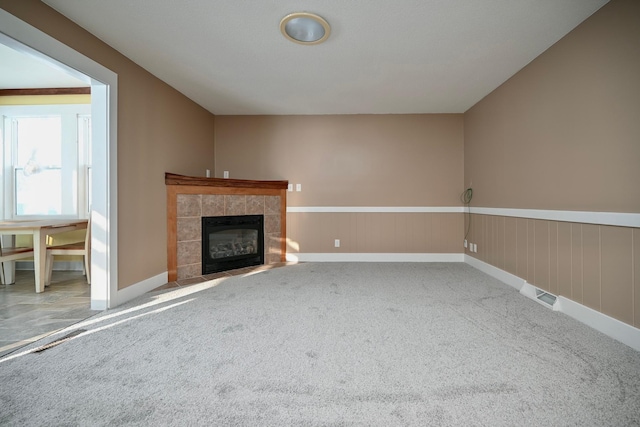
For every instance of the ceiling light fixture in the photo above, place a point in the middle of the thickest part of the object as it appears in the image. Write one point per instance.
(305, 28)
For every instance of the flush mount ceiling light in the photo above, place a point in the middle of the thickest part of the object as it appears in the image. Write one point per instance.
(305, 28)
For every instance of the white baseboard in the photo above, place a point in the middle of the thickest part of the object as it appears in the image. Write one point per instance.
(531, 292)
(609, 326)
(504, 276)
(140, 288)
(373, 257)
(614, 328)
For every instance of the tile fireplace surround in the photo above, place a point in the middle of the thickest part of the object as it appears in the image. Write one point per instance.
(191, 198)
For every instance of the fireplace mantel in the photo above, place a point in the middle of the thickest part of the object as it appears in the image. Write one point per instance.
(173, 179)
(189, 198)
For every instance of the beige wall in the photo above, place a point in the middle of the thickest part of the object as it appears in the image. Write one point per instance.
(348, 160)
(564, 134)
(159, 130)
(355, 160)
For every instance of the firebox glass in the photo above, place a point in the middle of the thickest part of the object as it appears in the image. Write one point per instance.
(228, 243)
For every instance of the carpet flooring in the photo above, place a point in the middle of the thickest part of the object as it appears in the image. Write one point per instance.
(328, 344)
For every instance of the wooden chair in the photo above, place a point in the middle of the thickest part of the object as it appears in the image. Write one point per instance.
(12, 254)
(79, 248)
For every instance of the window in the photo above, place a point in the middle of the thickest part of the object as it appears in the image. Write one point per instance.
(47, 156)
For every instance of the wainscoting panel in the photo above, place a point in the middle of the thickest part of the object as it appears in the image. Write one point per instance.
(591, 277)
(375, 232)
(541, 254)
(576, 262)
(511, 245)
(595, 265)
(564, 259)
(553, 258)
(522, 248)
(636, 276)
(617, 256)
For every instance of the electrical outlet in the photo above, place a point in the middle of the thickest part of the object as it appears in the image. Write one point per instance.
(465, 243)
(226, 174)
(337, 243)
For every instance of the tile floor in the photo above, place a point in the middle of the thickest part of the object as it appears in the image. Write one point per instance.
(26, 316)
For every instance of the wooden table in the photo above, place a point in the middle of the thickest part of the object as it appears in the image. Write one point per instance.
(40, 229)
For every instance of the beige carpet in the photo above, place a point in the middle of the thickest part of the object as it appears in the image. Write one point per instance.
(329, 345)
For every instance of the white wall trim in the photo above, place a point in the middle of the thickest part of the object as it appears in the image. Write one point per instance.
(373, 257)
(140, 288)
(601, 218)
(375, 209)
(609, 326)
(614, 328)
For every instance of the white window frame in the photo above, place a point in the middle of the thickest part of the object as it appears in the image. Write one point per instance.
(72, 149)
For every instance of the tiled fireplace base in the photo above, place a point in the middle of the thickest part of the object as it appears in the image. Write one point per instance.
(191, 198)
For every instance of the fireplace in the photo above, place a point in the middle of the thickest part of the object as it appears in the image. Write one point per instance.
(230, 242)
(190, 198)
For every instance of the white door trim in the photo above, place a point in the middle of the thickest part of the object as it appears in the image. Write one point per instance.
(104, 89)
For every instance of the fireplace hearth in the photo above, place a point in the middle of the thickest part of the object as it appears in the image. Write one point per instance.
(230, 242)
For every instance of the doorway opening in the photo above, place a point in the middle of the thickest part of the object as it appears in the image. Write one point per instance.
(39, 46)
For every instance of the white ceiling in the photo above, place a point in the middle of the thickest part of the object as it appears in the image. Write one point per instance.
(405, 56)
(21, 71)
